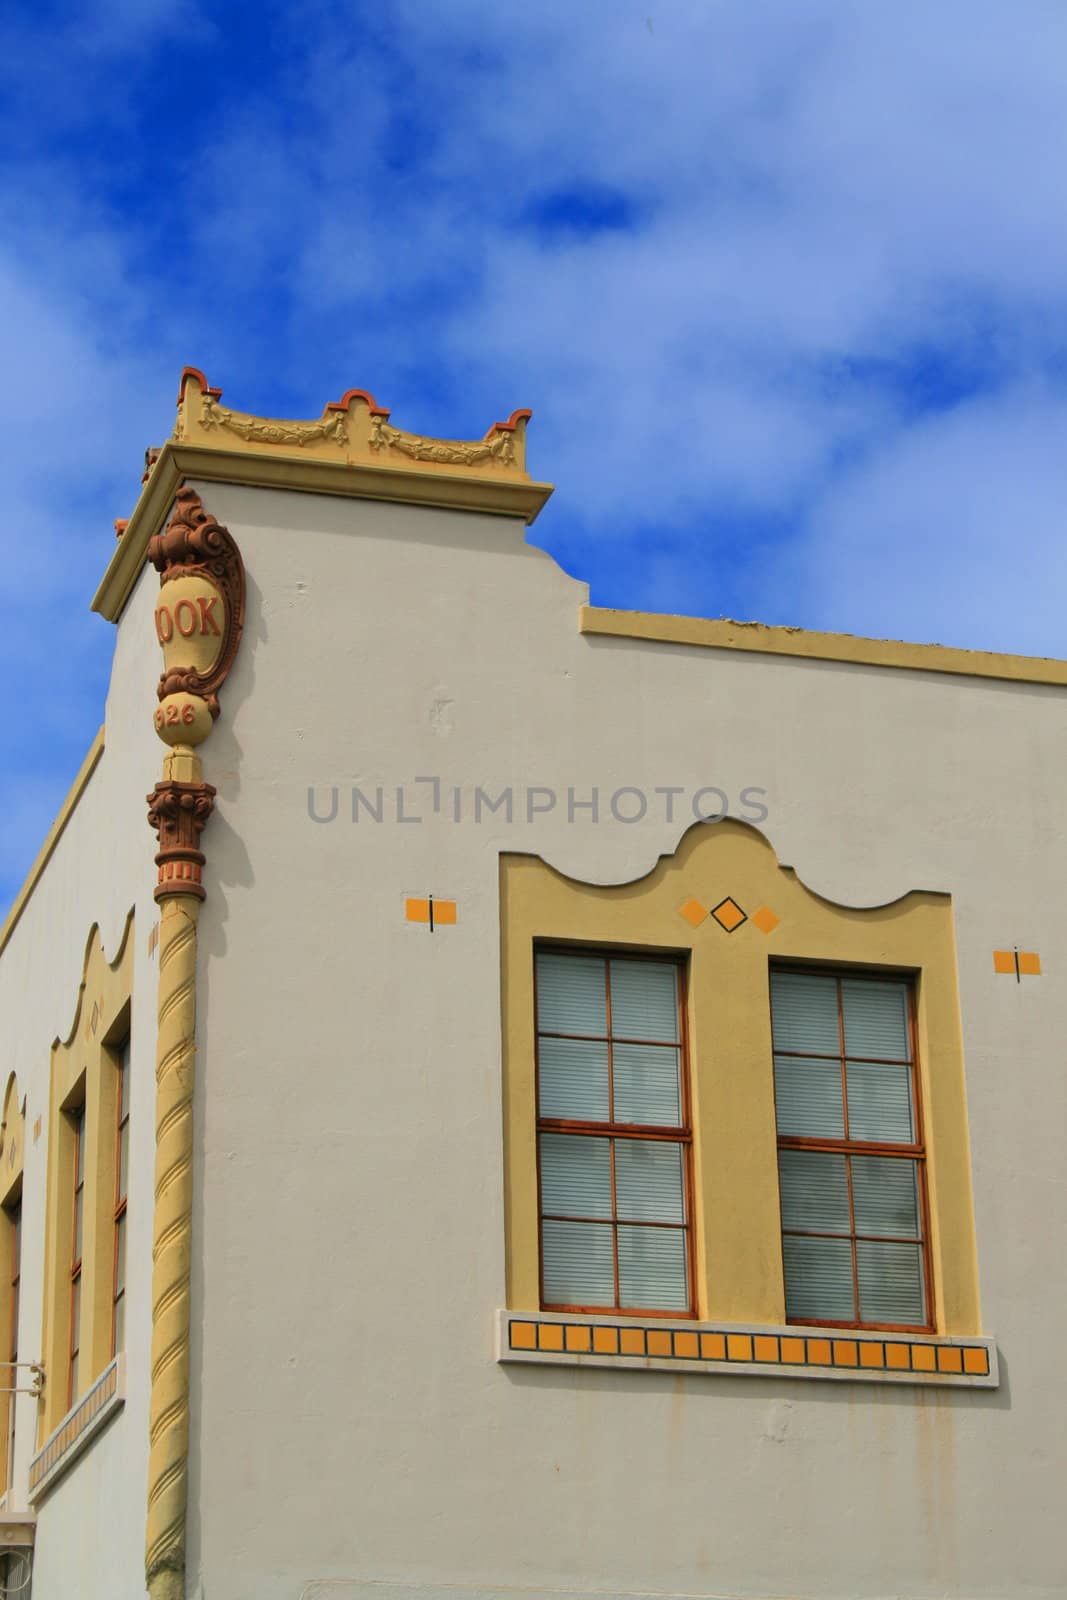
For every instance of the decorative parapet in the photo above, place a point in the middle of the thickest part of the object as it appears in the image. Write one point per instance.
(354, 429)
(78, 1428)
(746, 1350)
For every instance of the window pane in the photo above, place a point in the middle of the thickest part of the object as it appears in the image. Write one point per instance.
(652, 1268)
(571, 994)
(814, 1191)
(885, 1195)
(120, 1254)
(879, 1102)
(579, 1267)
(648, 1084)
(73, 1378)
(575, 1175)
(79, 1211)
(75, 1313)
(644, 1000)
(124, 1081)
(876, 1019)
(804, 1013)
(572, 1076)
(124, 1159)
(808, 1097)
(649, 1181)
(79, 1128)
(818, 1278)
(120, 1324)
(891, 1282)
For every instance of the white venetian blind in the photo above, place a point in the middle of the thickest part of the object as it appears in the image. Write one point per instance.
(614, 1222)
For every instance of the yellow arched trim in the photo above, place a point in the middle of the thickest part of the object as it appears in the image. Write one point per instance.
(739, 1266)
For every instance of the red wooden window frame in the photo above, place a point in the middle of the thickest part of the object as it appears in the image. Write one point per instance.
(914, 1152)
(77, 1119)
(122, 1132)
(611, 1130)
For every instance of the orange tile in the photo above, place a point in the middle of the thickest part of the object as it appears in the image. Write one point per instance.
(659, 1342)
(1004, 961)
(728, 914)
(871, 1354)
(713, 1347)
(950, 1359)
(766, 1347)
(819, 1352)
(444, 912)
(686, 1344)
(739, 1346)
(765, 919)
(606, 1341)
(976, 1361)
(793, 1352)
(1029, 963)
(550, 1336)
(693, 912)
(923, 1358)
(845, 1353)
(897, 1356)
(523, 1336)
(417, 910)
(632, 1341)
(577, 1338)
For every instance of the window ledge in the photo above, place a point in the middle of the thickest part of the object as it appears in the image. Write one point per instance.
(79, 1427)
(746, 1350)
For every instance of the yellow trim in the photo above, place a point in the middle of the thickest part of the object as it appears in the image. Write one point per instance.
(725, 634)
(79, 1078)
(738, 1229)
(44, 855)
(12, 1160)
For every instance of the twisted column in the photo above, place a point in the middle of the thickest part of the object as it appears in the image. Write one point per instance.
(169, 1405)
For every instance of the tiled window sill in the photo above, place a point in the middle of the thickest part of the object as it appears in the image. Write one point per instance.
(79, 1427)
(745, 1350)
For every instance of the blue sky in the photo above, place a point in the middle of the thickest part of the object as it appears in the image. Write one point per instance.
(785, 283)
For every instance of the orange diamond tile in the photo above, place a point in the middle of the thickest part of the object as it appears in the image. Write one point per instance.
(819, 1352)
(523, 1336)
(713, 1346)
(1004, 961)
(923, 1358)
(550, 1336)
(896, 1355)
(444, 912)
(659, 1342)
(765, 919)
(417, 910)
(950, 1359)
(632, 1341)
(728, 914)
(871, 1354)
(793, 1351)
(606, 1341)
(686, 1344)
(577, 1338)
(1029, 964)
(693, 912)
(766, 1347)
(739, 1346)
(976, 1361)
(845, 1353)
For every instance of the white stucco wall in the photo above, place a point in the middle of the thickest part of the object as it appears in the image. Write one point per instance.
(90, 1532)
(350, 1422)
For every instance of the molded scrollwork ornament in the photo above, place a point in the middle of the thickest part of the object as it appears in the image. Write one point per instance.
(199, 617)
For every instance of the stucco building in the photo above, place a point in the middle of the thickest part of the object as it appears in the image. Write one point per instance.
(576, 1103)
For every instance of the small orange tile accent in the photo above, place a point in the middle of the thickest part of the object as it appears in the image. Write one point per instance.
(845, 1353)
(950, 1359)
(739, 1346)
(686, 1344)
(923, 1358)
(659, 1342)
(632, 1341)
(713, 1347)
(606, 1341)
(728, 915)
(766, 1347)
(1029, 963)
(976, 1361)
(523, 1336)
(871, 1354)
(793, 1352)
(550, 1336)
(896, 1355)
(1004, 961)
(819, 1352)
(693, 912)
(417, 910)
(444, 912)
(765, 919)
(577, 1338)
